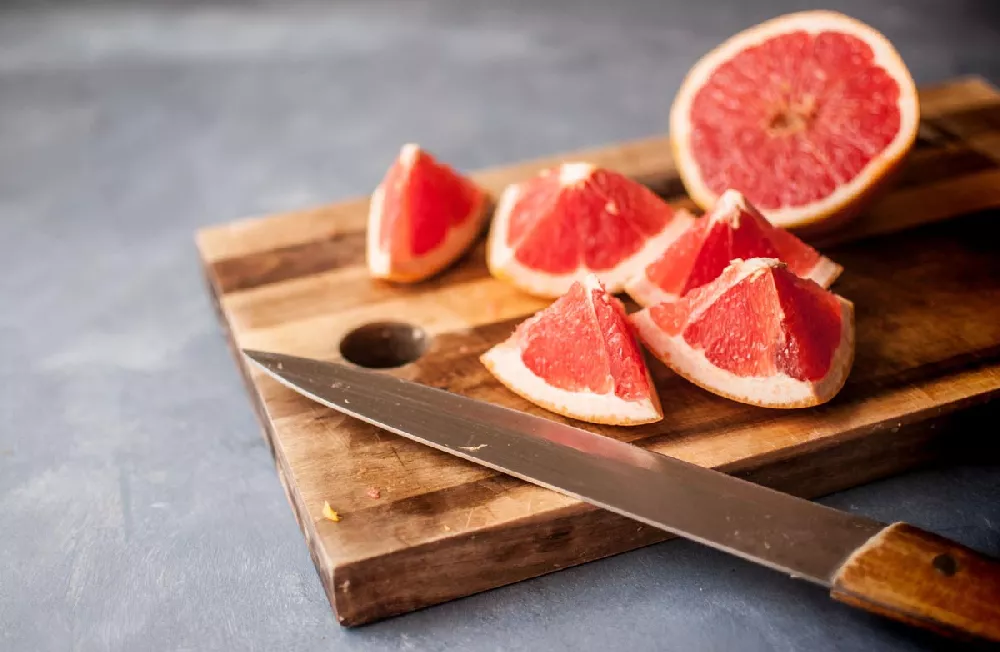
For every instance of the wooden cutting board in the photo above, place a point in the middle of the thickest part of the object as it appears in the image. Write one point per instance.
(420, 527)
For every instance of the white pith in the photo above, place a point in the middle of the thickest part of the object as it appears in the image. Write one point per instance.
(646, 293)
(456, 241)
(825, 272)
(573, 173)
(502, 262)
(813, 22)
(779, 390)
(505, 362)
(408, 154)
(728, 208)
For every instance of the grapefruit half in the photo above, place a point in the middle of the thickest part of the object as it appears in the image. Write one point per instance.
(580, 358)
(805, 114)
(733, 229)
(576, 219)
(422, 217)
(758, 334)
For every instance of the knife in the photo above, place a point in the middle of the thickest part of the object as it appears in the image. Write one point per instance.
(895, 570)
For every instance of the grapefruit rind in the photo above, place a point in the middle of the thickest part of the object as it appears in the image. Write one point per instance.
(848, 199)
(505, 363)
(417, 268)
(777, 391)
(503, 264)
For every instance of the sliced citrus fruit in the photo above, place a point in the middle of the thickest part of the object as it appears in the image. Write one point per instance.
(580, 358)
(575, 219)
(805, 114)
(758, 334)
(422, 217)
(733, 229)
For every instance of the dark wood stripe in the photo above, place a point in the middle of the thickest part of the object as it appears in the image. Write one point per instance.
(286, 263)
(965, 124)
(941, 156)
(951, 163)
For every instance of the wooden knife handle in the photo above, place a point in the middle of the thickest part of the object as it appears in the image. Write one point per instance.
(925, 580)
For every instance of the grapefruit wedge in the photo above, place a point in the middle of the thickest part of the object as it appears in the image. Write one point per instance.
(579, 357)
(422, 217)
(758, 334)
(733, 229)
(806, 114)
(576, 219)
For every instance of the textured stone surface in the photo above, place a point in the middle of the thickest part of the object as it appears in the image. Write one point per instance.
(138, 506)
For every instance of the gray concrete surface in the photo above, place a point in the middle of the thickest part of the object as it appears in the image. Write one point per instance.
(138, 506)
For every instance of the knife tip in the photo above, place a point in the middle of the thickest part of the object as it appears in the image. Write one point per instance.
(261, 358)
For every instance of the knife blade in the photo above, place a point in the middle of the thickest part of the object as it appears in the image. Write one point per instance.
(895, 570)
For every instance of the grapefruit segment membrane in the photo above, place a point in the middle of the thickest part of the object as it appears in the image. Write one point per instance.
(757, 334)
(576, 219)
(806, 114)
(579, 358)
(422, 217)
(732, 229)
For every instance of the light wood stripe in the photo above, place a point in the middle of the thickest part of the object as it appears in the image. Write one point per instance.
(323, 292)
(448, 309)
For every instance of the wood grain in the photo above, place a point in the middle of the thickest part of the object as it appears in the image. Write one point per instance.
(921, 267)
(922, 579)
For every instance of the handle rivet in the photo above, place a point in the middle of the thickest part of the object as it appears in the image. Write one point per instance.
(945, 564)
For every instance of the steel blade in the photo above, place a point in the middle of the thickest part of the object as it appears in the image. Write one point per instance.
(789, 534)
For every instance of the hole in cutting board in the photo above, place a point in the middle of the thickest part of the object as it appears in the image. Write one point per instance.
(383, 345)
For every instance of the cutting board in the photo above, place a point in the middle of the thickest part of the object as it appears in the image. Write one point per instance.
(420, 527)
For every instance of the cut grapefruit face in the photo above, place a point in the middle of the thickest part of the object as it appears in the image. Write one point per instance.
(580, 358)
(804, 114)
(576, 219)
(733, 229)
(758, 334)
(422, 217)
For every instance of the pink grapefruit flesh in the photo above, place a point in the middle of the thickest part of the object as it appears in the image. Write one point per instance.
(757, 334)
(732, 229)
(576, 219)
(805, 114)
(422, 217)
(579, 357)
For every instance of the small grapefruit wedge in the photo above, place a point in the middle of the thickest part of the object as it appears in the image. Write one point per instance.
(733, 229)
(806, 114)
(422, 217)
(758, 334)
(576, 219)
(580, 358)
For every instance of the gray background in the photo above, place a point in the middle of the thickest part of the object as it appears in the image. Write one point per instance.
(139, 509)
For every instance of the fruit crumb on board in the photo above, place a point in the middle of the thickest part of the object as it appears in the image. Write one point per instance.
(329, 514)
(374, 493)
